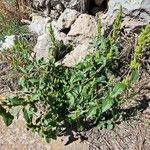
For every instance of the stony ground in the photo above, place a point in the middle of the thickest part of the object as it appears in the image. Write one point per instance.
(16, 137)
(133, 134)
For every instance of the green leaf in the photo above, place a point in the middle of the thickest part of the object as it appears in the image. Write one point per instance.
(15, 110)
(75, 115)
(22, 81)
(7, 117)
(107, 103)
(92, 111)
(16, 101)
(134, 75)
(34, 97)
(72, 116)
(28, 115)
(101, 125)
(110, 125)
(71, 98)
(30, 67)
(118, 89)
(101, 79)
(77, 77)
(103, 61)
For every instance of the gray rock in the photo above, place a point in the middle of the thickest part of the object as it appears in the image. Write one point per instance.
(40, 3)
(59, 36)
(79, 5)
(60, 5)
(42, 46)
(83, 29)
(38, 24)
(72, 4)
(8, 42)
(54, 15)
(67, 18)
(77, 55)
(138, 9)
(57, 4)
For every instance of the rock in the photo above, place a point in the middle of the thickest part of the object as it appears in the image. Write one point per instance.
(56, 9)
(39, 24)
(37, 4)
(54, 15)
(83, 29)
(147, 96)
(67, 18)
(148, 85)
(59, 36)
(54, 3)
(72, 4)
(25, 22)
(79, 5)
(8, 42)
(138, 9)
(60, 7)
(57, 5)
(42, 46)
(77, 55)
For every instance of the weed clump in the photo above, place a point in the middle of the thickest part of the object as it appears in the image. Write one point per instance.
(86, 95)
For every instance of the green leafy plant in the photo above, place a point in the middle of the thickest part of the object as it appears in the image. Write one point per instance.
(144, 38)
(54, 97)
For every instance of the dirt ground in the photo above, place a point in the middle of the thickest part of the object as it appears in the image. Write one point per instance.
(16, 137)
(133, 134)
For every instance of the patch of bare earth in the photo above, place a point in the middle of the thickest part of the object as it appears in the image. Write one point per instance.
(16, 137)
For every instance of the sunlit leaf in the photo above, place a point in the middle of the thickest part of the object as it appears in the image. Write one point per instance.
(134, 75)
(71, 98)
(118, 89)
(28, 115)
(107, 103)
(16, 101)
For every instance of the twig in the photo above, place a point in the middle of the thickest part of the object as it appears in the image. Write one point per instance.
(107, 143)
(89, 143)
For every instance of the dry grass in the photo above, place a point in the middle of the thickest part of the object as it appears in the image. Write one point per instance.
(18, 10)
(8, 11)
